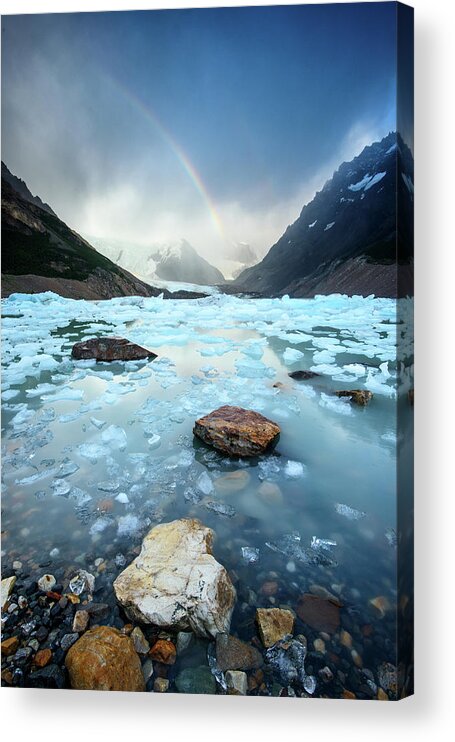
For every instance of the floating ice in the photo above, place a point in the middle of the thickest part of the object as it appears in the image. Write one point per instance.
(204, 483)
(92, 451)
(348, 512)
(253, 369)
(341, 405)
(250, 555)
(67, 468)
(322, 543)
(294, 470)
(154, 441)
(220, 508)
(60, 487)
(128, 525)
(115, 437)
(291, 355)
(328, 226)
(97, 423)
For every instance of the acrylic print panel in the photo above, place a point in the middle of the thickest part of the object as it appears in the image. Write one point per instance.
(207, 232)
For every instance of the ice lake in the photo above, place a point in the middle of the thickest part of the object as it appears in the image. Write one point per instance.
(95, 454)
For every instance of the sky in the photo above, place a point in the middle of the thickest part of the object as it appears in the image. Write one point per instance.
(213, 125)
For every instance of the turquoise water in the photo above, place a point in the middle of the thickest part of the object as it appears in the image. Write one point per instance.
(76, 435)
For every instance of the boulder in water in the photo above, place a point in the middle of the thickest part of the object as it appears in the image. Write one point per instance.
(176, 582)
(110, 349)
(358, 396)
(236, 431)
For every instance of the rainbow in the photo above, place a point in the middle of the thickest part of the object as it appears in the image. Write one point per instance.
(180, 154)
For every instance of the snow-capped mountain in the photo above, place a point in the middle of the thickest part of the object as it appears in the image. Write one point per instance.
(173, 262)
(350, 236)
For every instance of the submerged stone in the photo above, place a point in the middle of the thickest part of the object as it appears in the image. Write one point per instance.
(302, 375)
(237, 431)
(234, 654)
(319, 613)
(110, 349)
(176, 582)
(359, 396)
(196, 680)
(274, 624)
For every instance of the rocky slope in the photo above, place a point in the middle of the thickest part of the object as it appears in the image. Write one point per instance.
(41, 253)
(346, 239)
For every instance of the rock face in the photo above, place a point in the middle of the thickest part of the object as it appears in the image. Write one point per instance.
(110, 349)
(236, 431)
(176, 582)
(319, 613)
(104, 659)
(358, 396)
(274, 624)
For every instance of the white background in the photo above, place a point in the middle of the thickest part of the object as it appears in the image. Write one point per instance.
(70, 715)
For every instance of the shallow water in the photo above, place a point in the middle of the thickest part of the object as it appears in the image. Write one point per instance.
(332, 475)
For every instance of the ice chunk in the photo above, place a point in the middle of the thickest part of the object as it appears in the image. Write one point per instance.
(204, 483)
(291, 355)
(9, 394)
(128, 525)
(249, 368)
(154, 441)
(115, 437)
(250, 555)
(269, 468)
(341, 405)
(348, 512)
(92, 451)
(67, 468)
(64, 394)
(60, 487)
(100, 525)
(220, 508)
(97, 423)
(123, 498)
(294, 470)
(322, 543)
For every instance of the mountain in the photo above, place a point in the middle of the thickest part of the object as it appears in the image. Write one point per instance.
(346, 239)
(20, 187)
(41, 253)
(234, 260)
(174, 262)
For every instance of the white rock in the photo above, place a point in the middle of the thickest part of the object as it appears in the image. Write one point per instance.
(46, 583)
(176, 582)
(7, 588)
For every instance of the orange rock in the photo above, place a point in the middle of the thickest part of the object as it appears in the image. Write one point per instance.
(7, 677)
(236, 431)
(10, 645)
(42, 657)
(269, 588)
(381, 605)
(105, 506)
(348, 694)
(382, 695)
(345, 639)
(358, 396)
(163, 651)
(74, 599)
(104, 659)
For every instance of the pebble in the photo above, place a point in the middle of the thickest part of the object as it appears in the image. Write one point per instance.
(9, 646)
(319, 645)
(161, 685)
(163, 651)
(141, 644)
(147, 670)
(42, 657)
(356, 658)
(68, 640)
(290, 566)
(345, 639)
(46, 583)
(17, 566)
(184, 640)
(237, 682)
(22, 602)
(80, 621)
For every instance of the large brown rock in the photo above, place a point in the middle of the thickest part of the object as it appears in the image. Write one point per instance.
(274, 624)
(359, 396)
(321, 614)
(236, 431)
(234, 654)
(175, 582)
(110, 349)
(104, 659)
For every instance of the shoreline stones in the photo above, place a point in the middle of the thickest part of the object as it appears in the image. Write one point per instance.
(234, 654)
(110, 349)
(176, 582)
(237, 431)
(6, 589)
(104, 659)
(359, 396)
